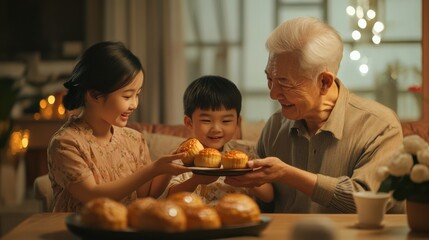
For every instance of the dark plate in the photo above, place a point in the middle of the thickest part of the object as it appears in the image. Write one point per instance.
(74, 225)
(220, 171)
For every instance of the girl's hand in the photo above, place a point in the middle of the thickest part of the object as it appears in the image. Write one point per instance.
(165, 165)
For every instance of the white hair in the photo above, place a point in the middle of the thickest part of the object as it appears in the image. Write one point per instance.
(319, 46)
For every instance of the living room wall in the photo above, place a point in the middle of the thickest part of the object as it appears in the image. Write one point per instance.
(43, 26)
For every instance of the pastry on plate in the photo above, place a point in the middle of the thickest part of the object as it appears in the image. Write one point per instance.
(136, 212)
(208, 157)
(235, 159)
(104, 213)
(186, 199)
(238, 209)
(162, 215)
(202, 217)
(191, 147)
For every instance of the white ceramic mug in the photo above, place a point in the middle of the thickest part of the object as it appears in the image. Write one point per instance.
(371, 207)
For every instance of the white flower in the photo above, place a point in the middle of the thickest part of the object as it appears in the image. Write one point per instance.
(423, 156)
(414, 143)
(419, 173)
(381, 173)
(401, 165)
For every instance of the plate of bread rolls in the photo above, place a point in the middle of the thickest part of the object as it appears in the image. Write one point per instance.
(182, 215)
(209, 161)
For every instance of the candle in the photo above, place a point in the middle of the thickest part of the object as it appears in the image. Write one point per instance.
(18, 141)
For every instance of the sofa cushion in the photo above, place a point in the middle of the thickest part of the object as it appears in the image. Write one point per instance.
(420, 128)
(250, 131)
(164, 139)
(179, 130)
(161, 144)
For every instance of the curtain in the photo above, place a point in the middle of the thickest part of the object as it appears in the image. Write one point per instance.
(153, 30)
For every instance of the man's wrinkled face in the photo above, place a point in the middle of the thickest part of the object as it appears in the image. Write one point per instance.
(299, 97)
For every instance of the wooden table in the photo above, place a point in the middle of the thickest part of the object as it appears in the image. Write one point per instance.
(52, 226)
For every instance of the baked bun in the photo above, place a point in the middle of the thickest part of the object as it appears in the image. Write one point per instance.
(238, 209)
(104, 213)
(235, 159)
(191, 147)
(202, 217)
(162, 215)
(136, 211)
(186, 199)
(208, 157)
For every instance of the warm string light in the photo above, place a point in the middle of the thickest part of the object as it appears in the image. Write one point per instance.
(50, 108)
(18, 141)
(365, 16)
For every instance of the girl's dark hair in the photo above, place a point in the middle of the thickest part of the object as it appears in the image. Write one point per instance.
(211, 93)
(103, 68)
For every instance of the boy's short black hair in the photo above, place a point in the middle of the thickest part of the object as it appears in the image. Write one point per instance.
(211, 93)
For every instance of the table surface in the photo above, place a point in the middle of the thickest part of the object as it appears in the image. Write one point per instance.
(52, 226)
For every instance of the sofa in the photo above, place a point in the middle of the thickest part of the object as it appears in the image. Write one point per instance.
(420, 128)
(251, 130)
(163, 139)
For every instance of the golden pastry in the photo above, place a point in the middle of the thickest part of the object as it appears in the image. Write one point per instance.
(191, 147)
(202, 217)
(104, 213)
(186, 199)
(162, 215)
(237, 209)
(235, 159)
(136, 212)
(208, 157)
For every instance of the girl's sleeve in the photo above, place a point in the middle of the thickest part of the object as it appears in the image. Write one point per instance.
(66, 162)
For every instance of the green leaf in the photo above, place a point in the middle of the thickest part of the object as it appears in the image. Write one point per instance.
(404, 188)
(386, 185)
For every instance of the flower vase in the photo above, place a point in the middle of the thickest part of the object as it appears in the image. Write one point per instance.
(417, 212)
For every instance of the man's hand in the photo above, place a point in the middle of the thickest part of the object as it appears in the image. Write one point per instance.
(267, 170)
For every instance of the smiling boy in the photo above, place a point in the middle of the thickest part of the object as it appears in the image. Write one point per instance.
(212, 106)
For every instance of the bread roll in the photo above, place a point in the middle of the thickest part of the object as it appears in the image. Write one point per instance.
(235, 159)
(191, 147)
(202, 217)
(238, 209)
(186, 199)
(208, 157)
(104, 213)
(136, 212)
(162, 215)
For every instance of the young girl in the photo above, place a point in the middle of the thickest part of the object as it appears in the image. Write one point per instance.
(94, 154)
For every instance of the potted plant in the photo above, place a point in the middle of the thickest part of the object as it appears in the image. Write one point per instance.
(407, 178)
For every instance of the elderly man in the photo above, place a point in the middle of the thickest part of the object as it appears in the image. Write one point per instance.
(325, 142)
